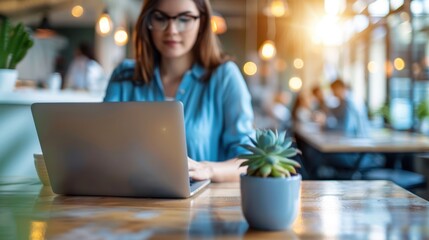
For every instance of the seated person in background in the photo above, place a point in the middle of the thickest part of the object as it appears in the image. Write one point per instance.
(84, 72)
(301, 111)
(178, 58)
(320, 101)
(346, 117)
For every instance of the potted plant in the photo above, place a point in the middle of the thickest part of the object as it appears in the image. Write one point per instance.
(422, 113)
(270, 190)
(14, 44)
(384, 113)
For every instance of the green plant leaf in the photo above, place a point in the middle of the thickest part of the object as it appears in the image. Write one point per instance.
(265, 170)
(252, 162)
(4, 40)
(272, 137)
(289, 161)
(282, 137)
(249, 156)
(253, 149)
(251, 172)
(257, 164)
(272, 160)
(253, 141)
(287, 143)
(277, 174)
(290, 152)
(289, 168)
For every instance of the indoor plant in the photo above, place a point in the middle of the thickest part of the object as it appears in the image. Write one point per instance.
(384, 113)
(422, 113)
(270, 189)
(14, 44)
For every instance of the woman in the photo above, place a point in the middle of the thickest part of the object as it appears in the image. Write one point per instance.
(84, 72)
(178, 58)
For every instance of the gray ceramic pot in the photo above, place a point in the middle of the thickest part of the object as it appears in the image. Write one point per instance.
(270, 203)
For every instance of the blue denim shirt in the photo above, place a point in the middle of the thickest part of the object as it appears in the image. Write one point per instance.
(218, 114)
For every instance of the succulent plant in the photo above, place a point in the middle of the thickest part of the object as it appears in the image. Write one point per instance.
(14, 44)
(270, 155)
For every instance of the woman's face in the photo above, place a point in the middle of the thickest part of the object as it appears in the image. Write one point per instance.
(174, 27)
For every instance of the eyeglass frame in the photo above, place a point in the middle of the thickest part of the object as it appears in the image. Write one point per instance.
(169, 18)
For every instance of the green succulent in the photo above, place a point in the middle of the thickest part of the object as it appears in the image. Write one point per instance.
(270, 155)
(422, 110)
(14, 44)
(383, 111)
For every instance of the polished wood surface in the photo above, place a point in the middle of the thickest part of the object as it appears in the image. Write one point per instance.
(328, 209)
(379, 140)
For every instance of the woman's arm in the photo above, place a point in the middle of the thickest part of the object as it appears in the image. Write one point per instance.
(234, 102)
(226, 171)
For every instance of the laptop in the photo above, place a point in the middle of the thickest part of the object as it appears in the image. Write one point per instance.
(126, 149)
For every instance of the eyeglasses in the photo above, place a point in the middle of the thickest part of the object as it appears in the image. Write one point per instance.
(159, 21)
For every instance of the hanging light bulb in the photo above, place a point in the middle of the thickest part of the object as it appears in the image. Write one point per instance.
(121, 36)
(218, 24)
(104, 24)
(267, 50)
(77, 11)
(277, 8)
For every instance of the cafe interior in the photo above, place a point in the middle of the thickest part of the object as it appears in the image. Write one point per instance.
(356, 185)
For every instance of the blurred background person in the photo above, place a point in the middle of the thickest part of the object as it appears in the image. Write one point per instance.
(302, 110)
(320, 102)
(84, 72)
(346, 117)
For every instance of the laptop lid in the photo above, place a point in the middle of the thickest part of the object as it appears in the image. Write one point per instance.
(128, 149)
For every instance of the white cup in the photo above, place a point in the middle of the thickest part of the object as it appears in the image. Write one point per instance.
(54, 81)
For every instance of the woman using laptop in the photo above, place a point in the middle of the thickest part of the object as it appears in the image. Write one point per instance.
(178, 58)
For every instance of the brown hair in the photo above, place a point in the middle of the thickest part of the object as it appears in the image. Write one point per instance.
(338, 83)
(207, 50)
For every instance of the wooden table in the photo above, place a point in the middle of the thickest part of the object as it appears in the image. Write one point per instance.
(385, 141)
(378, 141)
(328, 209)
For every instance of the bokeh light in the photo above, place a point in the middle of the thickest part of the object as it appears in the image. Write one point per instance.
(250, 68)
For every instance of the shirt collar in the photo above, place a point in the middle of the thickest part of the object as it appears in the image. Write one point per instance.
(197, 71)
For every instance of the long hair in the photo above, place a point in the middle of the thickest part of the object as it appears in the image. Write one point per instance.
(207, 51)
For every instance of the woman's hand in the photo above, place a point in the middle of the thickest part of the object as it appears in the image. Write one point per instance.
(226, 171)
(199, 170)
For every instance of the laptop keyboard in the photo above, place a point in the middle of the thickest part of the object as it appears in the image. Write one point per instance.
(191, 181)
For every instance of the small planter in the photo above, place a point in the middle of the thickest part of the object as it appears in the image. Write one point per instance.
(8, 79)
(270, 203)
(424, 126)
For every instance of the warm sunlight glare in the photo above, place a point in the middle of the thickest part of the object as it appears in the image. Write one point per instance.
(334, 7)
(328, 31)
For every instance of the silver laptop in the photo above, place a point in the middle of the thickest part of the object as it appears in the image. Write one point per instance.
(127, 149)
